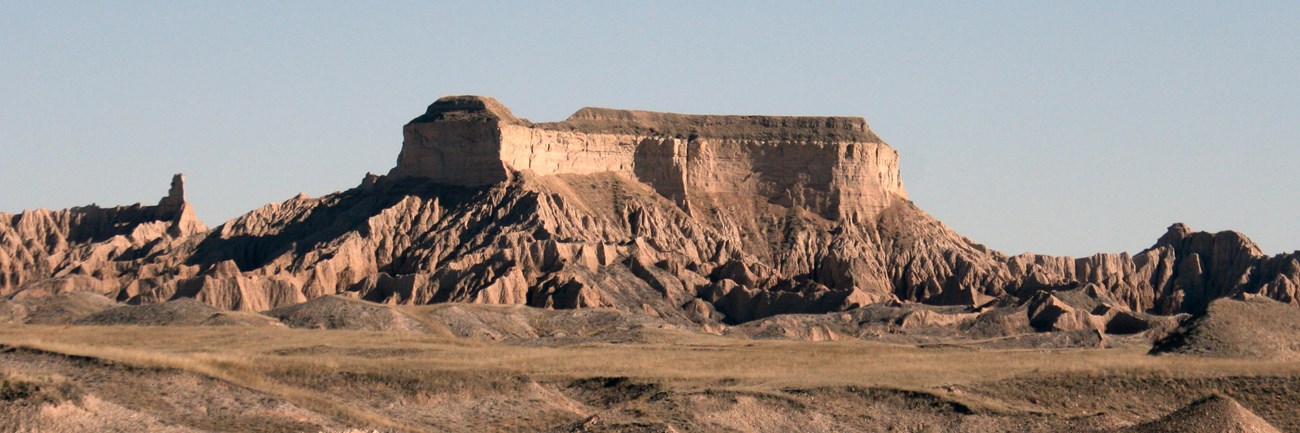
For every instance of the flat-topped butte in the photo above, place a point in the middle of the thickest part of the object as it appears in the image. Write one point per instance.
(834, 166)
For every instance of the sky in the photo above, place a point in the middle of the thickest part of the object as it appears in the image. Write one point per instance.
(1065, 128)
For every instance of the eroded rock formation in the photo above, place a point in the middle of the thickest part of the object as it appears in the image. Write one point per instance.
(832, 166)
(91, 248)
(695, 219)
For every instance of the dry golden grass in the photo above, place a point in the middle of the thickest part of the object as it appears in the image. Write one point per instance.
(298, 365)
(681, 359)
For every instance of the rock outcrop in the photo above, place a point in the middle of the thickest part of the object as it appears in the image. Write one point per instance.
(832, 166)
(699, 220)
(1183, 272)
(90, 248)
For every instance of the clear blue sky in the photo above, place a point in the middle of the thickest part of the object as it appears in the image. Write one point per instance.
(1053, 127)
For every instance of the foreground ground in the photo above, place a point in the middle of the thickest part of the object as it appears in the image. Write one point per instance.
(187, 378)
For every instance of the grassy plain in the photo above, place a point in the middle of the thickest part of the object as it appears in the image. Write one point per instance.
(675, 381)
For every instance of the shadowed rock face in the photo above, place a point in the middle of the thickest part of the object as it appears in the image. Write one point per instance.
(691, 218)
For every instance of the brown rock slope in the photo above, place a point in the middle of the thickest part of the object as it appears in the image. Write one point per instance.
(62, 308)
(689, 218)
(1216, 413)
(333, 312)
(1255, 328)
(533, 326)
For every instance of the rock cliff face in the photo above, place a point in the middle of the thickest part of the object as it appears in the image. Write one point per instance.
(701, 219)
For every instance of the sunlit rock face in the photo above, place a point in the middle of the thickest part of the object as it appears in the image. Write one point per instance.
(699, 220)
(833, 166)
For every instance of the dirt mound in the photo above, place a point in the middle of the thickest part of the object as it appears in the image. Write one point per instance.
(597, 324)
(1255, 328)
(901, 322)
(1086, 338)
(1216, 413)
(539, 326)
(334, 312)
(240, 318)
(805, 327)
(57, 309)
(179, 312)
(481, 322)
(989, 327)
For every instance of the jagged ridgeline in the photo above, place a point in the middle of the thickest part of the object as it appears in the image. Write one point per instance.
(691, 218)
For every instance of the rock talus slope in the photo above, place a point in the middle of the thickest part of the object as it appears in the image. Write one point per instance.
(691, 218)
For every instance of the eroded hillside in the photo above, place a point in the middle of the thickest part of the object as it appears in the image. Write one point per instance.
(694, 219)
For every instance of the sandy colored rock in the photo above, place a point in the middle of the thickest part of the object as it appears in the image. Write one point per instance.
(647, 213)
(92, 249)
(1049, 313)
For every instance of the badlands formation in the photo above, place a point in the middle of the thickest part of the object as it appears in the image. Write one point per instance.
(714, 220)
(627, 271)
